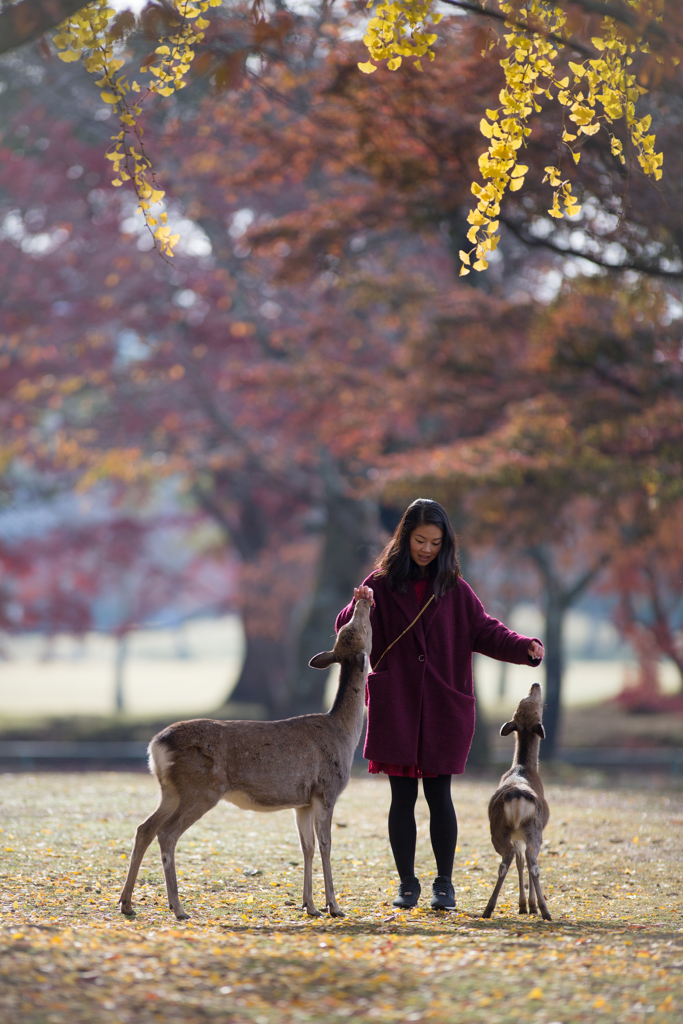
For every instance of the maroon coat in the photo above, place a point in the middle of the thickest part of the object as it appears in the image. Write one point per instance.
(421, 700)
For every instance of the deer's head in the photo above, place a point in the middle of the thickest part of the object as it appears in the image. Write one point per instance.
(529, 715)
(353, 643)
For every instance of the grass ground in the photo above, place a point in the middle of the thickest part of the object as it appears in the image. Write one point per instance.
(611, 869)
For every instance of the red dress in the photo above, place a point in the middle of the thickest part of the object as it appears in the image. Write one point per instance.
(408, 771)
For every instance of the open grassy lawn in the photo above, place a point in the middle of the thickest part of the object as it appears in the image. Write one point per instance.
(611, 869)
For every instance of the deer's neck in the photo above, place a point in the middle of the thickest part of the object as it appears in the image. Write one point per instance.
(527, 747)
(347, 709)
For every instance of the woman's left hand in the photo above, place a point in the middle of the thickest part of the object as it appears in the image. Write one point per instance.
(536, 650)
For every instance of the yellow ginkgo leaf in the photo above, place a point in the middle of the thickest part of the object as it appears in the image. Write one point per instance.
(368, 68)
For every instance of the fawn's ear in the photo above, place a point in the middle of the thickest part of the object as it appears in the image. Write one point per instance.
(507, 728)
(539, 730)
(323, 660)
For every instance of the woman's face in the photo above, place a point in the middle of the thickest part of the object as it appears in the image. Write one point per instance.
(425, 543)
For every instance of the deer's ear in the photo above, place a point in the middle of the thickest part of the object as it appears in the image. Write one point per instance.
(323, 660)
(539, 730)
(507, 728)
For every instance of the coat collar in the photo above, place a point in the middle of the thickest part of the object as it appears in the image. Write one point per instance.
(408, 603)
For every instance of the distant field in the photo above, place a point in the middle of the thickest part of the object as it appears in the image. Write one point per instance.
(187, 671)
(192, 671)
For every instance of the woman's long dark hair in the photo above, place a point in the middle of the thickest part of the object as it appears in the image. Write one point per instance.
(395, 563)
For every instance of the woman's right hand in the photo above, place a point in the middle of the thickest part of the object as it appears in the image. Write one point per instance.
(363, 593)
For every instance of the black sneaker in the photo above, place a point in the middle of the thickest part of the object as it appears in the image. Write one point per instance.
(444, 893)
(408, 892)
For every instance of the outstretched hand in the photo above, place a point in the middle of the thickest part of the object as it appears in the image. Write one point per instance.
(536, 650)
(363, 594)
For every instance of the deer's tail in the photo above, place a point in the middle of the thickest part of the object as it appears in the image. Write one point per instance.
(519, 806)
(159, 759)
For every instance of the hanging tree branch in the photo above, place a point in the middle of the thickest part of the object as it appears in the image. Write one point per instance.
(29, 19)
(531, 27)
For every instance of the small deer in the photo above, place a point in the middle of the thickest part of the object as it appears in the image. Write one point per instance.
(518, 810)
(302, 763)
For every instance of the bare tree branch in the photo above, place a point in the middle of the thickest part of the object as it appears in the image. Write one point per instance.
(532, 28)
(566, 596)
(650, 30)
(632, 264)
(570, 595)
(29, 19)
(622, 13)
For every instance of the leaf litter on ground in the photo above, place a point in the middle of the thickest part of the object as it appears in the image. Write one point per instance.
(611, 869)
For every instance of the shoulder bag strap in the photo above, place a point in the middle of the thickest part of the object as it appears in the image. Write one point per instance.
(423, 609)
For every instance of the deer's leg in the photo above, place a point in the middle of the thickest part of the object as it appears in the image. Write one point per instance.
(323, 828)
(503, 869)
(519, 857)
(304, 823)
(144, 835)
(168, 836)
(535, 880)
(533, 906)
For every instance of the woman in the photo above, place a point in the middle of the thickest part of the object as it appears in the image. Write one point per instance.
(420, 694)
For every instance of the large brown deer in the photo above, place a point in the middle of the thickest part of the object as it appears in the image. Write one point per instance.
(302, 763)
(518, 810)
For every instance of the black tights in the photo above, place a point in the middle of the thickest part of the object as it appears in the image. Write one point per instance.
(443, 824)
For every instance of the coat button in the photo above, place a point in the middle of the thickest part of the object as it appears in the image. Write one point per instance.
(421, 658)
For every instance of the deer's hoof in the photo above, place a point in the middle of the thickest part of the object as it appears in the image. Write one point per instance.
(546, 916)
(336, 912)
(487, 913)
(127, 910)
(181, 915)
(522, 910)
(311, 911)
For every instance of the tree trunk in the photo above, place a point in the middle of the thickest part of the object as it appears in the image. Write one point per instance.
(120, 657)
(274, 591)
(350, 534)
(558, 599)
(263, 677)
(554, 668)
(502, 679)
(265, 609)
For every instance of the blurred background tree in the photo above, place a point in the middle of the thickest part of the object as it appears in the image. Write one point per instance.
(311, 360)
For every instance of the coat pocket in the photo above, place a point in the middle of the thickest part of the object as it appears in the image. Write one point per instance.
(447, 730)
(377, 688)
(453, 705)
(393, 720)
(376, 682)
